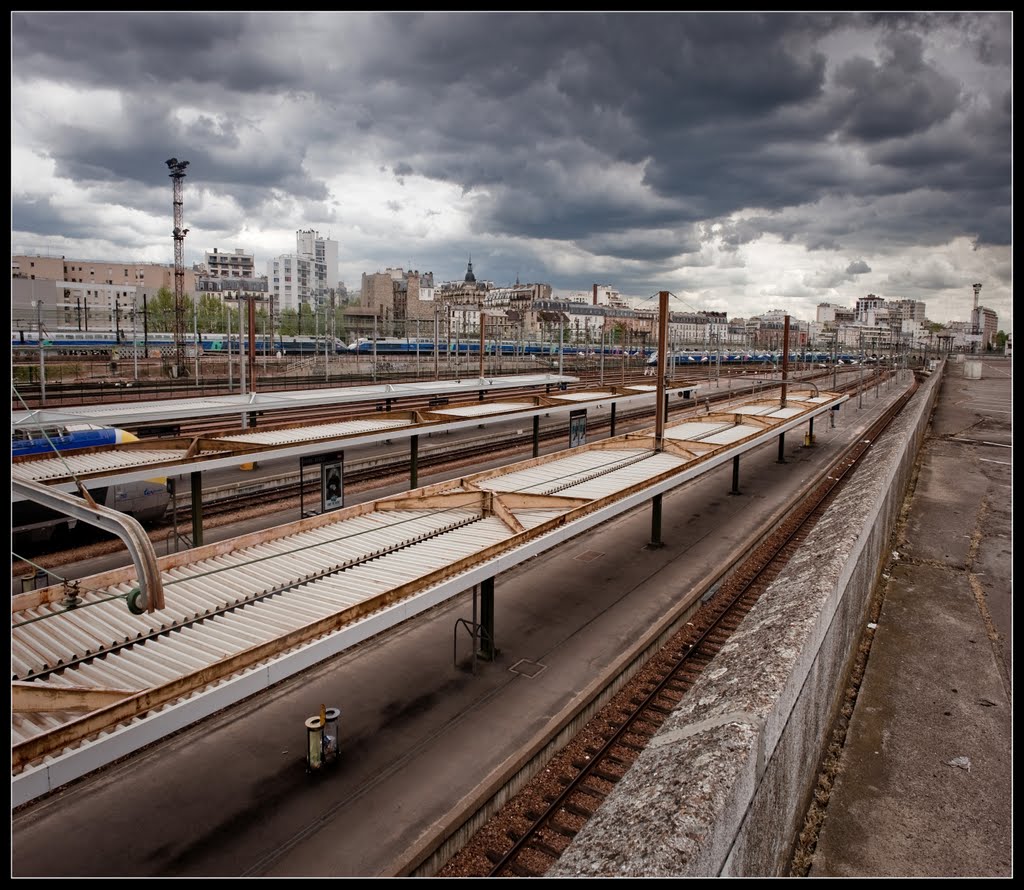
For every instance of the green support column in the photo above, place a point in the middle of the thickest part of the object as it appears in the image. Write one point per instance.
(414, 452)
(197, 509)
(536, 435)
(656, 522)
(487, 647)
(782, 448)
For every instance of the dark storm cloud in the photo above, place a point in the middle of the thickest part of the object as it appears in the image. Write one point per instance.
(39, 216)
(215, 150)
(613, 136)
(899, 96)
(733, 235)
(858, 267)
(130, 49)
(621, 88)
(728, 112)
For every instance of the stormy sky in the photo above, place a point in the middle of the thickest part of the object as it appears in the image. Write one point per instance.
(741, 161)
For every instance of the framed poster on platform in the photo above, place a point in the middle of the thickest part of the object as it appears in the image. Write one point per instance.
(331, 497)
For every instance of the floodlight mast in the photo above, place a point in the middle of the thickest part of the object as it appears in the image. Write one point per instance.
(177, 174)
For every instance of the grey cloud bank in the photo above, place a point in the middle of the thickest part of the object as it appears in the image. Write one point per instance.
(743, 161)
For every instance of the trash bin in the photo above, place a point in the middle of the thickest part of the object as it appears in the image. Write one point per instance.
(322, 739)
(330, 740)
(314, 744)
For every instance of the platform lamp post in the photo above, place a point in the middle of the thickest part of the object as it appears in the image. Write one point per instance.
(835, 358)
(227, 315)
(38, 305)
(135, 340)
(195, 333)
(860, 382)
(437, 373)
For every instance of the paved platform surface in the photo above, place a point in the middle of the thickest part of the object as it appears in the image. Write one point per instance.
(925, 783)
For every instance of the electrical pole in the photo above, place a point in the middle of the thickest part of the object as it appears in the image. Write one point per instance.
(42, 349)
(975, 321)
(177, 174)
(135, 340)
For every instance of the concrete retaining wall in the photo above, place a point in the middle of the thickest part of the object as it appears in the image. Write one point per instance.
(723, 788)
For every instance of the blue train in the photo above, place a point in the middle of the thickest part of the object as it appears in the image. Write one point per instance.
(146, 501)
(26, 344)
(759, 357)
(105, 343)
(425, 346)
(67, 438)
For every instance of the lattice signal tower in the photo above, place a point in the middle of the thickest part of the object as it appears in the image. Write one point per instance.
(177, 174)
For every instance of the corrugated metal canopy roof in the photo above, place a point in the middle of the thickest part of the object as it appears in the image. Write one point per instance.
(294, 594)
(114, 464)
(581, 396)
(294, 434)
(483, 409)
(71, 465)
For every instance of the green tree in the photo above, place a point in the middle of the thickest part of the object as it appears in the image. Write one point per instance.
(160, 311)
(287, 322)
(212, 315)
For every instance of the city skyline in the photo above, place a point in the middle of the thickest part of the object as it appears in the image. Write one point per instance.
(742, 161)
(649, 304)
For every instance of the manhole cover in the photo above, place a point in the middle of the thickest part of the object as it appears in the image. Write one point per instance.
(589, 555)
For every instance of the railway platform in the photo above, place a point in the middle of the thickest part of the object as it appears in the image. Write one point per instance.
(229, 798)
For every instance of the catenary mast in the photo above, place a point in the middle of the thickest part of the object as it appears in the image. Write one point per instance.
(975, 321)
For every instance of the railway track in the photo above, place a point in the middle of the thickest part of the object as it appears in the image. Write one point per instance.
(62, 395)
(531, 832)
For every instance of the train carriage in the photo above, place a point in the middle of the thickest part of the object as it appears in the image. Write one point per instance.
(146, 500)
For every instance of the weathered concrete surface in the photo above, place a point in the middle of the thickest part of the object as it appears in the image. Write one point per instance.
(925, 782)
